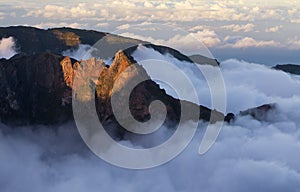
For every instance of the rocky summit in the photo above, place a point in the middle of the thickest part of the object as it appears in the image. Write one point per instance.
(38, 88)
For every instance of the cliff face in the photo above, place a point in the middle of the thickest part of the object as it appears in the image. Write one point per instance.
(38, 89)
(32, 89)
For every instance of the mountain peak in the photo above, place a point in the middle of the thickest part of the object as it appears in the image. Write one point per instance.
(121, 62)
(121, 58)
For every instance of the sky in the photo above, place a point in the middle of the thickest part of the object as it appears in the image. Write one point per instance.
(263, 32)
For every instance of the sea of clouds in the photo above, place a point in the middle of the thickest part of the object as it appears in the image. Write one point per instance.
(248, 155)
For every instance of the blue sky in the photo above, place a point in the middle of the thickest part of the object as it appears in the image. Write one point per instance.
(264, 32)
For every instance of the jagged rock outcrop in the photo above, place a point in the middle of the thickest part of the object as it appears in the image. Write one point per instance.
(143, 94)
(140, 97)
(38, 89)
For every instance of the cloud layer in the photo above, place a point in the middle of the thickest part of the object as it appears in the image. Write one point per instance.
(247, 84)
(226, 18)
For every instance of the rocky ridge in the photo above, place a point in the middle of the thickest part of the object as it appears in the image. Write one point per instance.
(38, 89)
(30, 40)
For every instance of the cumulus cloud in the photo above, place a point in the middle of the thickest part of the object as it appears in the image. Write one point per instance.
(7, 47)
(127, 4)
(148, 4)
(198, 28)
(162, 6)
(274, 29)
(186, 10)
(184, 14)
(237, 28)
(248, 155)
(193, 41)
(248, 42)
(187, 43)
(59, 12)
(102, 24)
(295, 20)
(122, 27)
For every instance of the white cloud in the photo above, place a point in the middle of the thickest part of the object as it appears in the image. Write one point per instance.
(198, 28)
(274, 29)
(192, 15)
(184, 5)
(62, 24)
(122, 27)
(140, 37)
(273, 14)
(60, 12)
(102, 24)
(293, 43)
(188, 43)
(122, 3)
(104, 13)
(237, 28)
(7, 47)
(296, 20)
(145, 23)
(293, 11)
(176, 11)
(83, 52)
(255, 9)
(82, 10)
(162, 6)
(148, 4)
(208, 37)
(250, 42)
